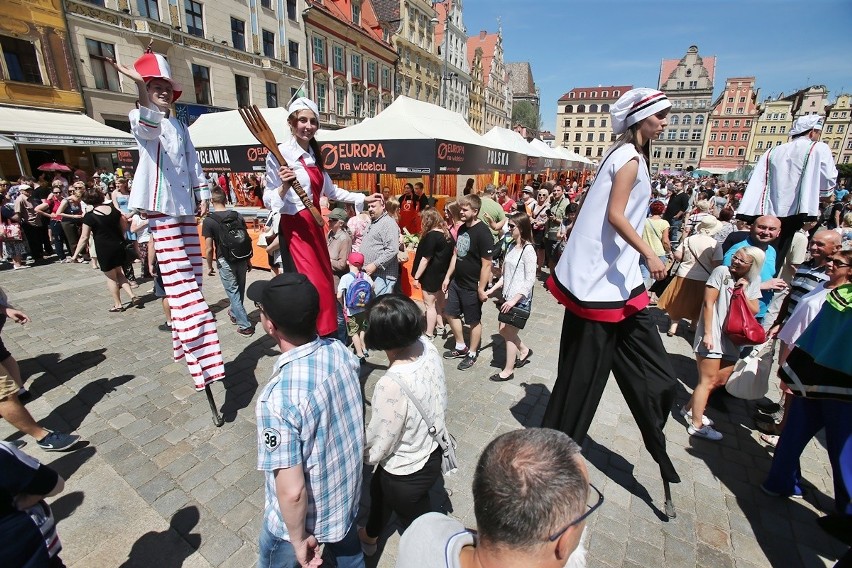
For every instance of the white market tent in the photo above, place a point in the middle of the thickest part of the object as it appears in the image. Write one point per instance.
(506, 139)
(226, 128)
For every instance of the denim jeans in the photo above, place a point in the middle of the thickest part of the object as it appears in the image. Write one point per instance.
(278, 553)
(58, 236)
(233, 277)
(646, 274)
(384, 285)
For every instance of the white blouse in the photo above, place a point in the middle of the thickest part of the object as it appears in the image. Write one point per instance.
(397, 437)
(519, 272)
(291, 204)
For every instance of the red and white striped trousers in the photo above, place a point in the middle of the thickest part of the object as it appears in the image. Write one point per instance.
(194, 336)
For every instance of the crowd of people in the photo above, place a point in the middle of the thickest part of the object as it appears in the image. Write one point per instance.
(336, 296)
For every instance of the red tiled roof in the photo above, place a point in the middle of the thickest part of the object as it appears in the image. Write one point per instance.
(342, 10)
(585, 93)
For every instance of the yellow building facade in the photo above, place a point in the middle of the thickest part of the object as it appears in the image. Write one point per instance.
(476, 118)
(771, 128)
(835, 131)
(420, 67)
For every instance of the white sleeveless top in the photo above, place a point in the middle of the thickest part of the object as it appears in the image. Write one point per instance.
(598, 274)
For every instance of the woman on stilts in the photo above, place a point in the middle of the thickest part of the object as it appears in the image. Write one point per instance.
(304, 247)
(607, 326)
(170, 186)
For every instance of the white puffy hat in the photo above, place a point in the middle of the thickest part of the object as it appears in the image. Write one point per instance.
(805, 123)
(636, 105)
(303, 103)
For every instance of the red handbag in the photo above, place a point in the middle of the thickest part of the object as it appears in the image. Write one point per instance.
(741, 327)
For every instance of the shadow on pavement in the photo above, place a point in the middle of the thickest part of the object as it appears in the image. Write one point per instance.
(56, 370)
(67, 464)
(619, 470)
(529, 410)
(64, 506)
(69, 415)
(167, 549)
(778, 523)
(240, 380)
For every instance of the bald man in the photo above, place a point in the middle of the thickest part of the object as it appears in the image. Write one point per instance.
(764, 230)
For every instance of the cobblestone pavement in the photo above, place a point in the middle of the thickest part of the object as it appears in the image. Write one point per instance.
(158, 485)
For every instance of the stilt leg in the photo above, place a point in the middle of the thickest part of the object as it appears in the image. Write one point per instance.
(217, 418)
(670, 508)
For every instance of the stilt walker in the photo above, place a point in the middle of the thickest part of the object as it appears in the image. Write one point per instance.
(170, 185)
(607, 326)
(788, 182)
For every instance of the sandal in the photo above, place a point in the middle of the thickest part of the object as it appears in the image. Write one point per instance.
(115, 309)
(136, 302)
(769, 439)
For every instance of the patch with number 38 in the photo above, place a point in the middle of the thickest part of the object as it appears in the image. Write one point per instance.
(271, 438)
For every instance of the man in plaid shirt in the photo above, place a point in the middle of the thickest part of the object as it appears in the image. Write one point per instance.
(310, 433)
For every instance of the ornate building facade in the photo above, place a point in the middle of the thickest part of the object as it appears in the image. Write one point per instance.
(454, 56)
(835, 132)
(497, 90)
(771, 128)
(729, 131)
(688, 83)
(225, 57)
(583, 120)
(476, 118)
(352, 63)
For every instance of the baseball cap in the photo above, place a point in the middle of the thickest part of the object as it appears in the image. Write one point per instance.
(289, 300)
(356, 259)
(528, 189)
(338, 214)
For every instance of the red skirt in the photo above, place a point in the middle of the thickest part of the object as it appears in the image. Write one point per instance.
(306, 242)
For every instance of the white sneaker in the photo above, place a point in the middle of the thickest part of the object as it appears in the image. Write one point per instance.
(706, 432)
(687, 414)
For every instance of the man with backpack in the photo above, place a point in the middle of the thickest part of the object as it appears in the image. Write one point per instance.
(233, 247)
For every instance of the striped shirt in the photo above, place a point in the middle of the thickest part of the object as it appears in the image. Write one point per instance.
(804, 280)
(310, 413)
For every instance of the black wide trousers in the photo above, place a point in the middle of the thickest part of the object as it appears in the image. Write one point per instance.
(633, 351)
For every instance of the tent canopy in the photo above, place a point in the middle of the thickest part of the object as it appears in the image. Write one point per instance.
(44, 127)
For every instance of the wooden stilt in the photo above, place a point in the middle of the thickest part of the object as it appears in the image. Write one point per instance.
(670, 508)
(217, 418)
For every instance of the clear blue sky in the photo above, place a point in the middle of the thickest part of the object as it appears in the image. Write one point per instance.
(785, 44)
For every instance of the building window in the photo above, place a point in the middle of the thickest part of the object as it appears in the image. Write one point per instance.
(699, 120)
(319, 51)
(241, 83)
(321, 96)
(292, 12)
(681, 154)
(106, 77)
(268, 43)
(293, 53)
(733, 136)
(576, 148)
(148, 9)
(693, 84)
(601, 137)
(720, 151)
(772, 129)
(683, 134)
(763, 129)
(571, 96)
(579, 122)
(588, 151)
(744, 135)
(578, 137)
(715, 124)
(337, 59)
(696, 134)
(590, 137)
(358, 104)
(386, 78)
(760, 145)
(616, 94)
(669, 153)
(581, 108)
(266, 4)
(194, 17)
(674, 120)
(591, 122)
(712, 136)
(371, 72)
(742, 99)
(679, 85)
(693, 154)
(710, 151)
(740, 111)
(829, 129)
(840, 128)
(569, 108)
(723, 137)
(357, 71)
(566, 123)
(656, 153)
(600, 152)
(271, 94)
(731, 151)
(603, 120)
(687, 119)
(604, 94)
(238, 34)
(726, 123)
(201, 79)
(748, 123)
(340, 100)
(356, 13)
(728, 110)
(372, 104)
(566, 137)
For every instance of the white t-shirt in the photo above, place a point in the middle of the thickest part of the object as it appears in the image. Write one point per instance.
(806, 310)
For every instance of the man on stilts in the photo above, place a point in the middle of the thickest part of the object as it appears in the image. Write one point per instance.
(170, 185)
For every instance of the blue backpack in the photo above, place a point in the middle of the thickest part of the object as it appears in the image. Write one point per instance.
(359, 293)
